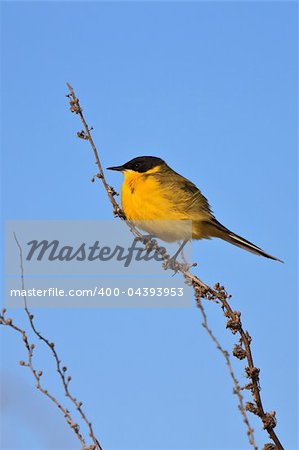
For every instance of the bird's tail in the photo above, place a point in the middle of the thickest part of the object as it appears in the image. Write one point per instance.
(232, 238)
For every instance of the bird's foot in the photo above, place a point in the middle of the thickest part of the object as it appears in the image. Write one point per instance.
(172, 264)
(177, 266)
(144, 238)
(148, 241)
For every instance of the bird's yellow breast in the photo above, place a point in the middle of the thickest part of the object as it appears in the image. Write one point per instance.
(147, 205)
(142, 198)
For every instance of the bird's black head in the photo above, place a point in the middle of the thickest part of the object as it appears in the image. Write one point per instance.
(140, 164)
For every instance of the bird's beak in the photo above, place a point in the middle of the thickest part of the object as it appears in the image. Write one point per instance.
(118, 168)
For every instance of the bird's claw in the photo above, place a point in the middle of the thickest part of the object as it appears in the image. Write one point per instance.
(147, 240)
(171, 264)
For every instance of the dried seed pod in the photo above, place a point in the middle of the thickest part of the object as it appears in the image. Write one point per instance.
(251, 407)
(239, 352)
(269, 420)
(270, 446)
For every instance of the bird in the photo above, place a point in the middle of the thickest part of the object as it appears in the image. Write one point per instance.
(163, 203)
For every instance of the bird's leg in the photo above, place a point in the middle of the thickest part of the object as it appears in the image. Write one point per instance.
(170, 264)
(180, 249)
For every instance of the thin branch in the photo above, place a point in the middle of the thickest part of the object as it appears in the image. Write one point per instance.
(38, 374)
(60, 369)
(237, 387)
(202, 291)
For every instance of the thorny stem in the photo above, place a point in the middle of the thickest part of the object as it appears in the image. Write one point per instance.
(202, 291)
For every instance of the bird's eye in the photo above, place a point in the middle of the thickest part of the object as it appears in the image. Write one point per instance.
(136, 165)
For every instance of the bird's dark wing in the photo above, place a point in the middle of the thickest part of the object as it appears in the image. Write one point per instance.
(183, 193)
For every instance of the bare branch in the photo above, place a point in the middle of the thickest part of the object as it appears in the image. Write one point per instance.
(65, 379)
(38, 374)
(237, 387)
(201, 291)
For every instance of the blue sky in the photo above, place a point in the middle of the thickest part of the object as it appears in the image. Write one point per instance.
(211, 88)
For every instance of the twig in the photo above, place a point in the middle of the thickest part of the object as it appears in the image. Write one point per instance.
(202, 291)
(60, 369)
(38, 374)
(237, 387)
